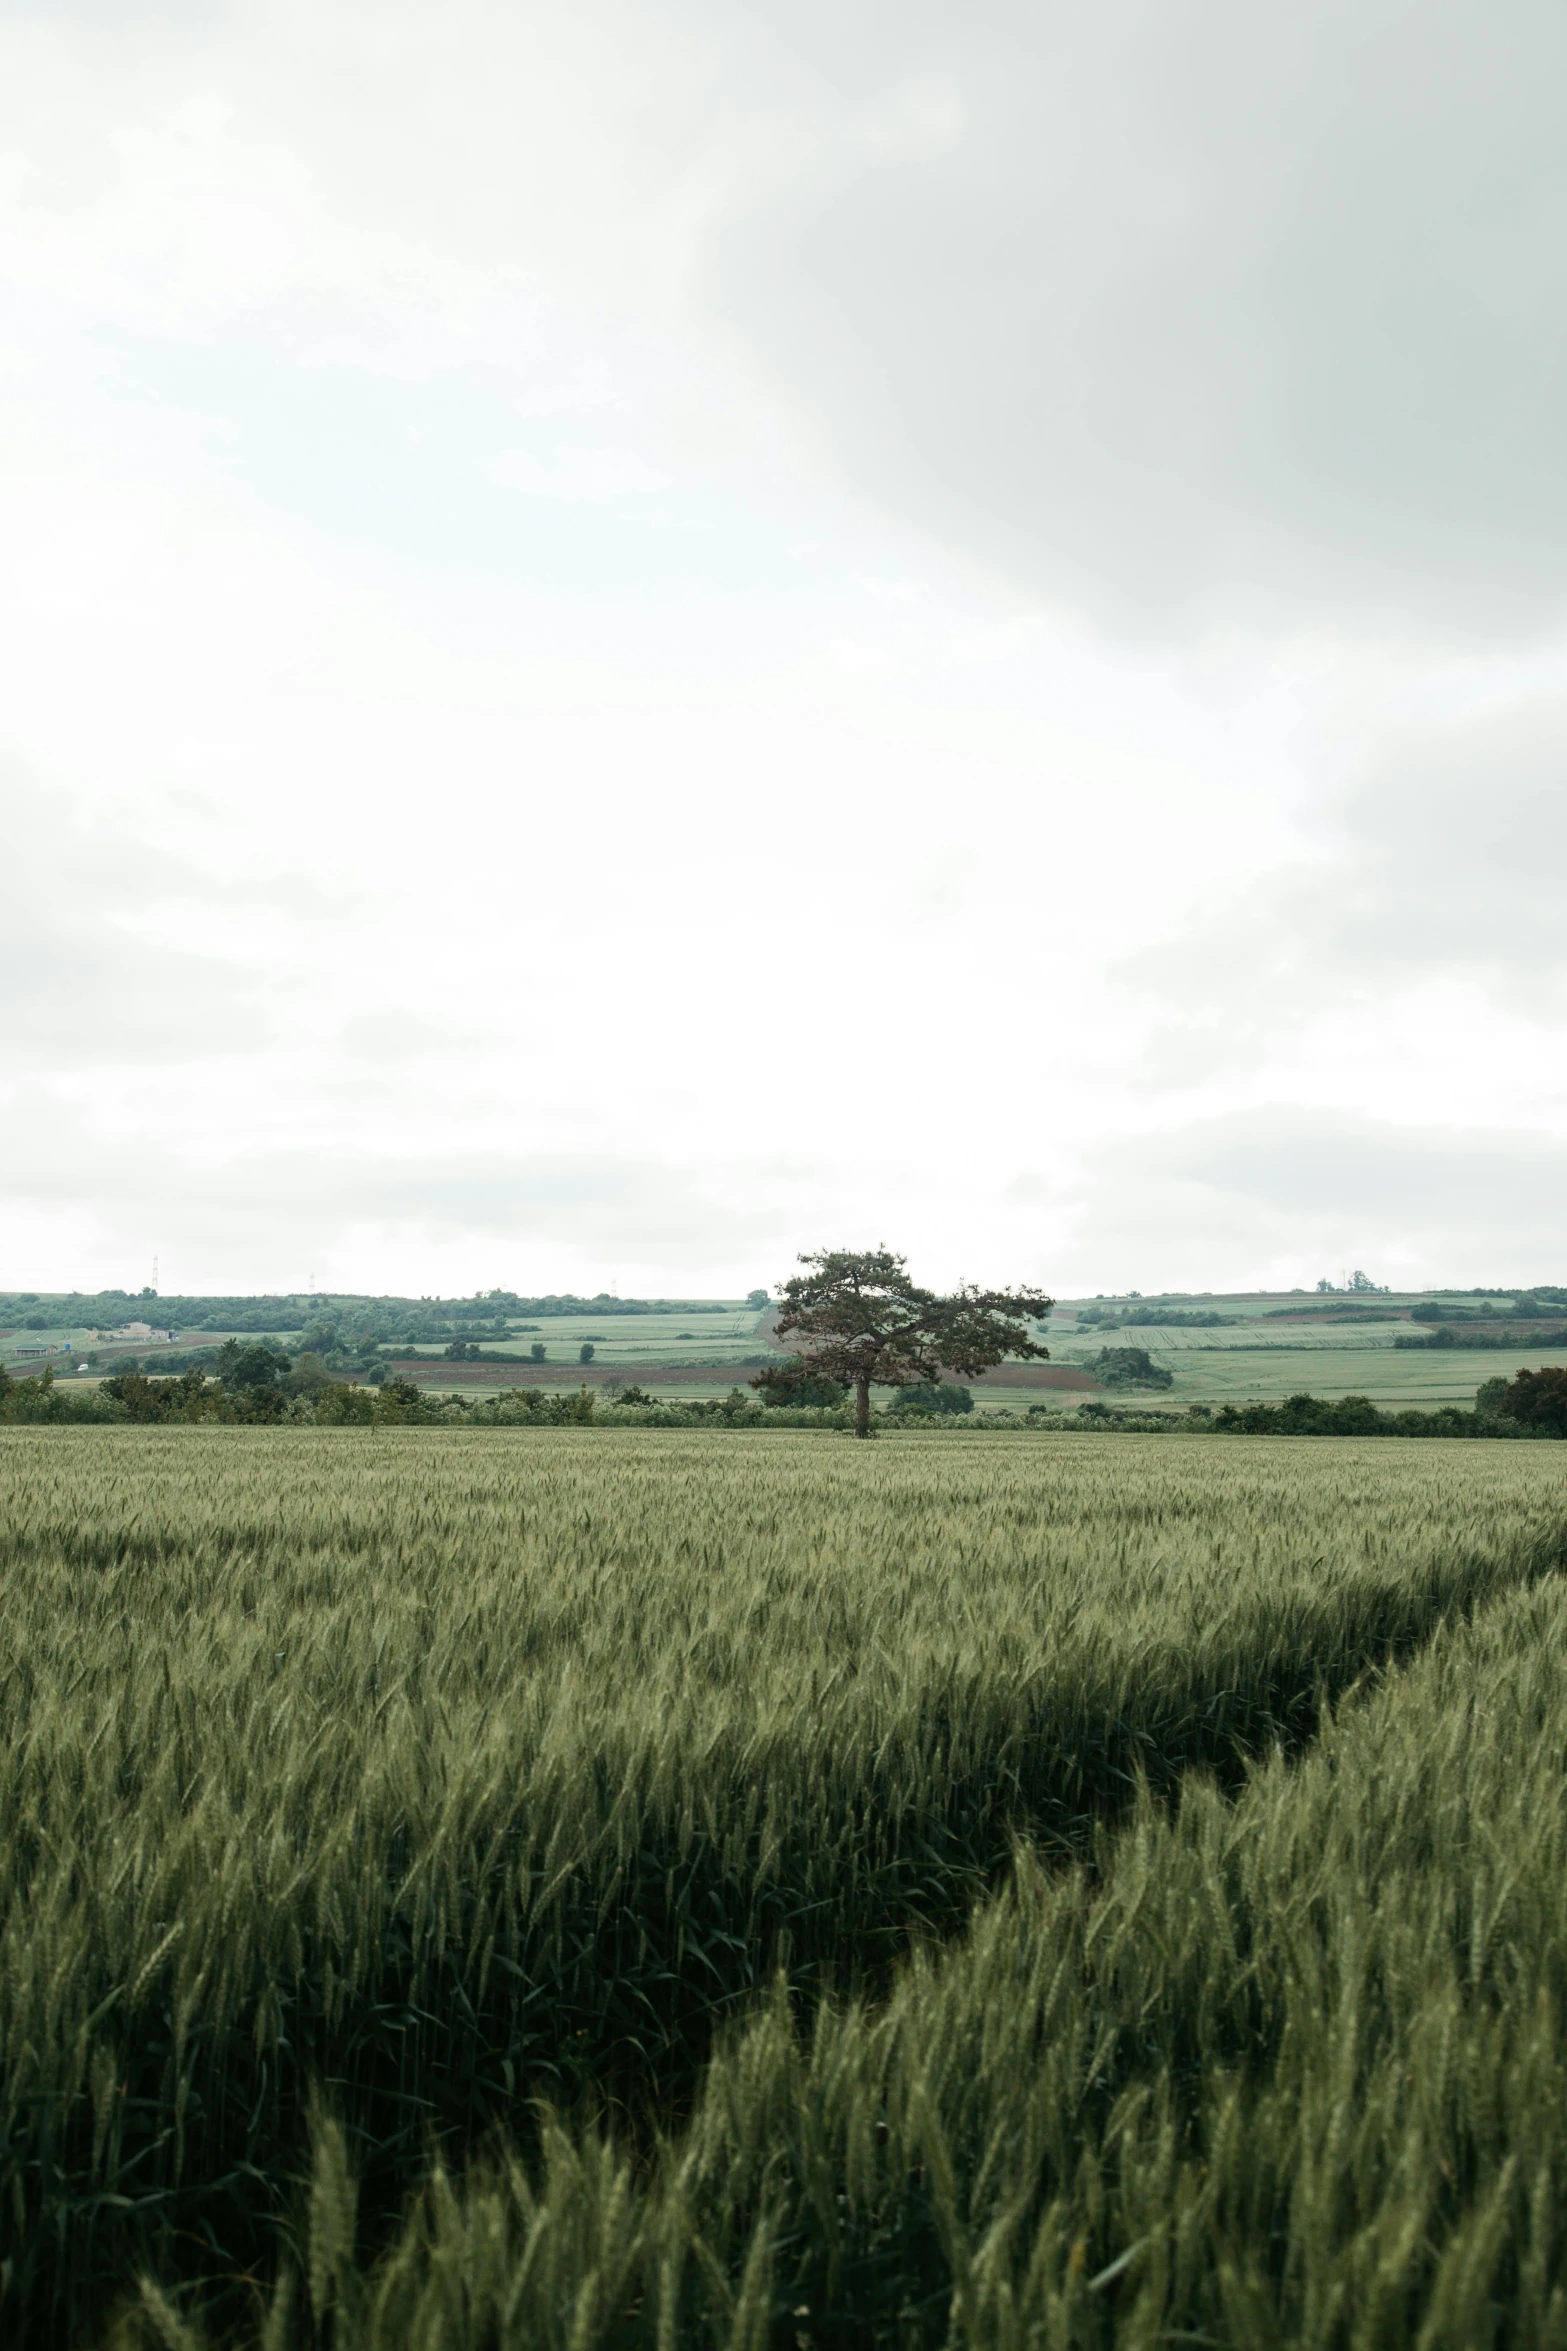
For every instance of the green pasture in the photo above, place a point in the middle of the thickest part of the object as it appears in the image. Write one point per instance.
(1260, 1358)
(570, 1380)
(626, 1340)
(1404, 1376)
(1247, 1335)
(1397, 1376)
(1266, 1305)
(1203, 1375)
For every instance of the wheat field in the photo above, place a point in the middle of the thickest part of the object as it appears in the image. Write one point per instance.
(471, 1889)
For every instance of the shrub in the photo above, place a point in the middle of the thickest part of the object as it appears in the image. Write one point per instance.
(1537, 1399)
(341, 1404)
(41, 1399)
(398, 1400)
(187, 1398)
(1129, 1367)
(942, 1396)
(794, 1383)
(253, 1369)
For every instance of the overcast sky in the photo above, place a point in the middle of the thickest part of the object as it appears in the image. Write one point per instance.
(639, 637)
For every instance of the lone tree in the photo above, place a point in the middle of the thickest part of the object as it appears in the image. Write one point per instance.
(865, 1323)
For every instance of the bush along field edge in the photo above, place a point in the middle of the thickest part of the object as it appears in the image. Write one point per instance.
(1531, 1404)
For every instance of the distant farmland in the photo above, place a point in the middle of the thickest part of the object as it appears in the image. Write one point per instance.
(1268, 1347)
(523, 1374)
(1253, 1347)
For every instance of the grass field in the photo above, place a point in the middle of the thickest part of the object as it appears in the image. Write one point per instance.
(630, 1339)
(686, 1391)
(772, 1809)
(1239, 1372)
(1257, 1354)
(1260, 1353)
(1233, 1375)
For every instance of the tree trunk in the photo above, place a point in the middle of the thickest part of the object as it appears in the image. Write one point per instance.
(862, 1407)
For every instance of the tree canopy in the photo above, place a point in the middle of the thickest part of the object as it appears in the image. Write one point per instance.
(864, 1322)
(1538, 1399)
(797, 1382)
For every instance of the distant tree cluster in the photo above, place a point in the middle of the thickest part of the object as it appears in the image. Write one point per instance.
(1499, 1342)
(1532, 1403)
(1527, 1306)
(1129, 1367)
(933, 1400)
(259, 1385)
(1536, 1400)
(359, 1321)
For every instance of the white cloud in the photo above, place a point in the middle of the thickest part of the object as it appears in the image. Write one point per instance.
(1410, 950)
(1197, 310)
(103, 968)
(574, 472)
(620, 626)
(1285, 1194)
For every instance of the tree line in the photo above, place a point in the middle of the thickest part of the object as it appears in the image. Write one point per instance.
(1531, 1405)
